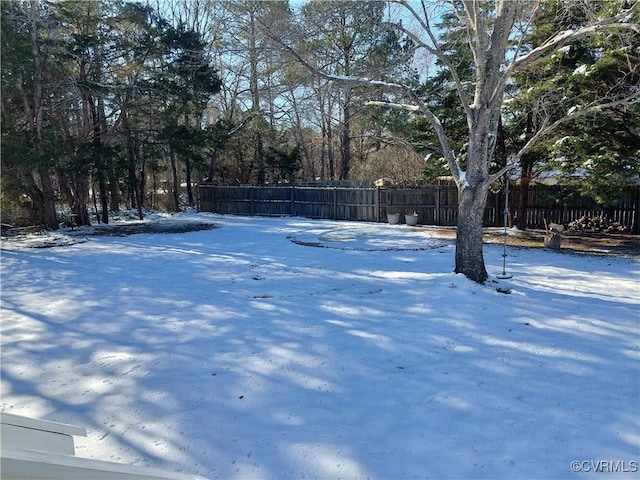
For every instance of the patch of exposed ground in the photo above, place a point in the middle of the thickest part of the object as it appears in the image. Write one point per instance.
(623, 244)
(133, 228)
(586, 242)
(17, 239)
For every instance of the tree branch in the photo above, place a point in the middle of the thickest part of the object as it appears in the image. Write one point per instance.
(435, 49)
(397, 106)
(447, 151)
(421, 106)
(561, 38)
(547, 128)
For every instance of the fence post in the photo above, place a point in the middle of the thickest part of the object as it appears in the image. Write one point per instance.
(335, 203)
(438, 220)
(293, 200)
(636, 206)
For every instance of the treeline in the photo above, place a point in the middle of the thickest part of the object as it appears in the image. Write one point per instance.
(110, 104)
(115, 104)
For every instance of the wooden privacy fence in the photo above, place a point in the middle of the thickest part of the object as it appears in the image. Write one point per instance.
(436, 205)
(562, 205)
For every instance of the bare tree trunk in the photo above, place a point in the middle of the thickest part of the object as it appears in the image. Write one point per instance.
(95, 201)
(258, 147)
(142, 185)
(345, 141)
(49, 216)
(176, 185)
(473, 187)
(188, 169)
(323, 149)
(345, 134)
(82, 198)
(523, 194)
(76, 189)
(114, 192)
(469, 255)
(213, 163)
(330, 155)
(136, 189)
(100, 161)
(526, 176)
(104, 197)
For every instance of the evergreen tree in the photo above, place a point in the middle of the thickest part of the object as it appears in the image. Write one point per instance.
(494, 33)
(599, 146)
(28, 148)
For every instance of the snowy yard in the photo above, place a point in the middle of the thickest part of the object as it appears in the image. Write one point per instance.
(291, 348)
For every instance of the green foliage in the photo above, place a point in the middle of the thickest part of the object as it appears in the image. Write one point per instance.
(602, 161)
(188, 73)
(283, 162)
(347, 38)
(187, 141)
(444, 101)
(17, 63)
(598, 148)
(122, 87)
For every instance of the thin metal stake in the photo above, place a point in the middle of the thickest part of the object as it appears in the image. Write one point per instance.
(505, 275)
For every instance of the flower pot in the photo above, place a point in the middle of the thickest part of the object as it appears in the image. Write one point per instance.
(393, 218)
(411, 219)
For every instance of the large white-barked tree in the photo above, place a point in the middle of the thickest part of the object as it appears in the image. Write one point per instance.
(495, 34)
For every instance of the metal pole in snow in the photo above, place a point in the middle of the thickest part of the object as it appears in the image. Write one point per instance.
(504, 274)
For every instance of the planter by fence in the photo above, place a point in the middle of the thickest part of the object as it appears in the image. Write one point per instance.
(411, 219)
(393, 218)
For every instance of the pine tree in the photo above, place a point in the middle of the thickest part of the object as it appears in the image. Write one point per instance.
(599, 146)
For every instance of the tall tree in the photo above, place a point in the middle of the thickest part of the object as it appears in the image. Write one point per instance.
(26, 36)
(601, 146)
(84, 51)
(248, 55)
(495, 36)
(189, 83)
(351, 39)
(137, 96)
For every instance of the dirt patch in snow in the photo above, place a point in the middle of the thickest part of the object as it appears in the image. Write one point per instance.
(133, 228)
(622, 244)
(67, 236)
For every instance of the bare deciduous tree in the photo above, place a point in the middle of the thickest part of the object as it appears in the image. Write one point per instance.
(495, 36)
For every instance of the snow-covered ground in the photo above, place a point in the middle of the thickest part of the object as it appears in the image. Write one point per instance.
(293, 348)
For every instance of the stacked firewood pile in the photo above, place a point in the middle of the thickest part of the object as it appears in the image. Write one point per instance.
(595, 224)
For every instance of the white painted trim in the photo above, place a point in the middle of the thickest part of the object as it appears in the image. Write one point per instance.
(29, 438)
(44, 425)
(18, 463)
